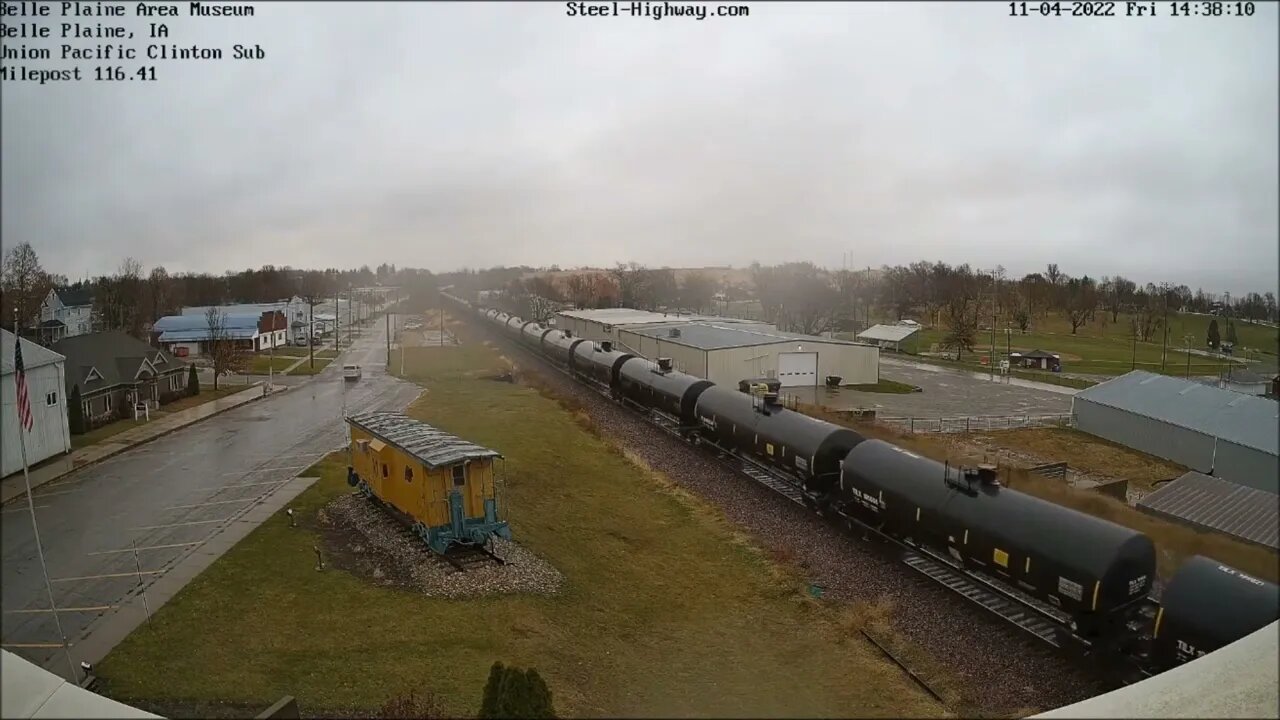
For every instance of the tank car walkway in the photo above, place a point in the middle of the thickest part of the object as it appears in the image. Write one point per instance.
(13, 486)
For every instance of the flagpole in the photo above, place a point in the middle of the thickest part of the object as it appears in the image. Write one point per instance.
(31, 506)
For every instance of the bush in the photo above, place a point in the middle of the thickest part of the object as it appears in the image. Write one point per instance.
(75, 412)
(514, 693)
(193, 382)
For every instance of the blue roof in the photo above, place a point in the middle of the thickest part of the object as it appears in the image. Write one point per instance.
(1241, 419)
(189, 323)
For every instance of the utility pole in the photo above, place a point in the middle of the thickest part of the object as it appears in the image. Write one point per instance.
(1164, 348)
(350, 323)
(336, 315)
(311, 330)
(1133, 325)
(1187, 340)
(388, 339)
(441, 303)
(994, 281)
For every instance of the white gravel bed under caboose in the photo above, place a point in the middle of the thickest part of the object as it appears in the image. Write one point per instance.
(364, 539)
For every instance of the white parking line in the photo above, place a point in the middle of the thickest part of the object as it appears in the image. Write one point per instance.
(223, 487)
(96, 608)
(30, 645)
(216, 502)
(38, 496)
(267, 470)
(193, 522)
(109, 575)
(146, 547)
(24, 508)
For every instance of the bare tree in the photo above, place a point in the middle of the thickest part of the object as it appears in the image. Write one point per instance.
(1052, 273)
(220, 348)
(631, 279)
(696, 291)
(24, 284)
(1081, 300)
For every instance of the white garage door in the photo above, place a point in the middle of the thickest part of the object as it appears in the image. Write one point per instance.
(797, 369)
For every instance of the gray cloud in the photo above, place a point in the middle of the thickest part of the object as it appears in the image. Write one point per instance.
(443, 135)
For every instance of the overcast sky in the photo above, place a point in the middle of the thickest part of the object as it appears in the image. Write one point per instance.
(447, 135)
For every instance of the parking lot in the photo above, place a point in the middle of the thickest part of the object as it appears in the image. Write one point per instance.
(945, 392)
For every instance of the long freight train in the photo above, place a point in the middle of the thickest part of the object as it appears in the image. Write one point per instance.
(1085, 579)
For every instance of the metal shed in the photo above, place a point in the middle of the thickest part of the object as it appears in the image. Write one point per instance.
(726, 353)
(887, 336)
(1213, 431)
(1211, 503)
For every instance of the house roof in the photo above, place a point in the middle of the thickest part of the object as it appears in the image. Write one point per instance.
(75, 296)
(434, 447)
(188, 328)
(52, 324)
(889, 333)
(1242, 419)
(1216, 504)
(631, 316)
(1033, 354)
(33, 355)
(116, 355)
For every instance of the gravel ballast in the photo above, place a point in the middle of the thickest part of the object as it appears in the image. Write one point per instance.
(364, 539)
(998, 669)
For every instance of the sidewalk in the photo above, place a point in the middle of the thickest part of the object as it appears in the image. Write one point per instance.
(13, 486)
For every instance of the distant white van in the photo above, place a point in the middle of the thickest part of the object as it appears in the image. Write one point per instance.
(351, 372)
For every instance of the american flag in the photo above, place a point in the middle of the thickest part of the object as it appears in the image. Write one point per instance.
(24, 402)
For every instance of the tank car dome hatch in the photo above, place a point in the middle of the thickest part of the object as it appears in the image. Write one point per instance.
(664, 364)
(1192, 621)
(675, 393)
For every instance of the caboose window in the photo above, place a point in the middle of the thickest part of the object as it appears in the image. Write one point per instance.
(384, 471)
(459, 476)
(408, 474)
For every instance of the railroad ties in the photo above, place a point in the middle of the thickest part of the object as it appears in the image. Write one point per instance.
(771, 481)
(1007, 608)
(460, 559)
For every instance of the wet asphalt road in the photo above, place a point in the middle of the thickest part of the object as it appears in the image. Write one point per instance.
(167, 496)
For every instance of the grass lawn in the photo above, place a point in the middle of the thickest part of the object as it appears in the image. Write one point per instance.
(665, 610)
(306, 369)
(260, 364)
(295, 351)
(106, 431)
(884, 386)
(1105, 348)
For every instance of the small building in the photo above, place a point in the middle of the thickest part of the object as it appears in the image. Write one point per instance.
(189, 335)
(1216, 505)
(604, 323)
(1036, 360)
(726, 354)
(1213, 431)
(114, 371)
(889, 336)
(65, 312)
(49, 435)
(444, 485)
(1246, 382)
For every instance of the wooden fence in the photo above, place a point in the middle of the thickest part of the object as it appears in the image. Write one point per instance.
(974, 423)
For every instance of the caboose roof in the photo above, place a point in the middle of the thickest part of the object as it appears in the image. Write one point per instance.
(434, 447)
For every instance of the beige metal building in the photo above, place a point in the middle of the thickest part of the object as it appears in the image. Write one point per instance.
(727, 350)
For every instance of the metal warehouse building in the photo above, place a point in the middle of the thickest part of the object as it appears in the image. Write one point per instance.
(1207, 429)
(725, 350)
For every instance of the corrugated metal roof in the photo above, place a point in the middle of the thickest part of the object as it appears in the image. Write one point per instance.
(188, 323)
(33, 355)
(715, 336)
(434, 447)
(631, 316)
(889, 333)
(199, 335)
(1242, 419)
(1216, 504)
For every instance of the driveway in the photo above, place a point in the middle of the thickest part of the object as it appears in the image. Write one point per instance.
(166, 498)
(946, 392)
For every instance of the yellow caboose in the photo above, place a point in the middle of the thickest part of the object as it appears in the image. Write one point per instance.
(440, 483)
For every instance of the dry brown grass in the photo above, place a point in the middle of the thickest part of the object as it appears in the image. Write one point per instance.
(1086, 453)
(1175, 542)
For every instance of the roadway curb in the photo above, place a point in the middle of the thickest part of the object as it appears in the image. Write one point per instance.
(20, 492)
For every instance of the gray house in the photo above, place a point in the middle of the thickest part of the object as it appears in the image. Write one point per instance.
(114, 370)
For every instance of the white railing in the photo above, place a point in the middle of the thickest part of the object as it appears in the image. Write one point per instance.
(974, 423)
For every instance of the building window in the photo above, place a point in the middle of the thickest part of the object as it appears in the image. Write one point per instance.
(51, 399)
(459, 475)
(408, 474)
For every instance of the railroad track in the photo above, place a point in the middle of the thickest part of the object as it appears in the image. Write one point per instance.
(460, 559)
